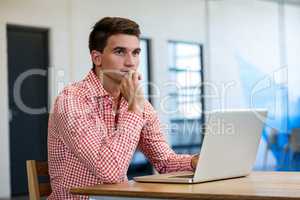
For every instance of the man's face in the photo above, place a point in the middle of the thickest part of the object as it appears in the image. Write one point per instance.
(120, 55)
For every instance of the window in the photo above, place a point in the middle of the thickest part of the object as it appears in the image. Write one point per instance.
(144, 67)
(186, 104)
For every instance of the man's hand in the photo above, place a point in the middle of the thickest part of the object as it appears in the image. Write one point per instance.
(132, 92)
(194, 161)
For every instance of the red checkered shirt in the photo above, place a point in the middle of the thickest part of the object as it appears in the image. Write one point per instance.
(86, 147)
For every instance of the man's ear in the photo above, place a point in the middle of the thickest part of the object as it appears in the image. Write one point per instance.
(96, 57)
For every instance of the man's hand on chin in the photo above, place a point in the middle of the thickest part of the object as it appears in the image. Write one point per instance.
(132, 92)
(115, 75)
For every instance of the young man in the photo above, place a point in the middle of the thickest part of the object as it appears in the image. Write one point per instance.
(99, 122)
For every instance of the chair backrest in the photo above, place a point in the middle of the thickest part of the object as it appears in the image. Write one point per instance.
(273, 136)
(35, 171)
(295, 140)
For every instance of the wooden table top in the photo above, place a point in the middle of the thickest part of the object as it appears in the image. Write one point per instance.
(258, 185)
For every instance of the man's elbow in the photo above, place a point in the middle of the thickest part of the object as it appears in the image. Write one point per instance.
(160, 168)
(112, 180)
(110, 177)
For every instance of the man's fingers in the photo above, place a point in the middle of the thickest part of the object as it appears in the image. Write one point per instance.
(135, 77)
(130, 74)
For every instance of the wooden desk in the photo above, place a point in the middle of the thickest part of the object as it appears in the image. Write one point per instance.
(259, 185)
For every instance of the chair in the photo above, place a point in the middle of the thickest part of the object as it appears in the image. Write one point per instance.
(272, 141)
(35, 171)
(293, 146)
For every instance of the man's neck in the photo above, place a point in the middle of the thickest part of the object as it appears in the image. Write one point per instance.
(109, 85)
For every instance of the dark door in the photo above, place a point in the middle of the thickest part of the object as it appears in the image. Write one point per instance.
(27, 50)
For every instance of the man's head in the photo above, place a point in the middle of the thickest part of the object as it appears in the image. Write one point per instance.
(114, 45)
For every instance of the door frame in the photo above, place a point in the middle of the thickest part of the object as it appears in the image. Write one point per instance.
(32, 29)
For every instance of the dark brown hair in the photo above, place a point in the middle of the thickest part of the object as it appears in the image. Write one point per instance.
(109, 26)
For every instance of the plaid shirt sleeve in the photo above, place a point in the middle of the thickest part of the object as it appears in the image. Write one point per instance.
(153, 144)
(107, 157)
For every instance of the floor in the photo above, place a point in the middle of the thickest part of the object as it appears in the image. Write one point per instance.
(17, 198)
(20, 198)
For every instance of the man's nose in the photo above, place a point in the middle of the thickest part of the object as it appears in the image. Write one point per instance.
(129, 61)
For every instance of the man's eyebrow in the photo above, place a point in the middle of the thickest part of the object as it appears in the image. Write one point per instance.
(137, 49)
(118, 48)
(124, 48)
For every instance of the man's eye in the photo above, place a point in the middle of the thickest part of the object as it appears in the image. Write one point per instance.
(136, 53)
(119, 52)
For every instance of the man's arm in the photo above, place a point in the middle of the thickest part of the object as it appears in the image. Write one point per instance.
(86, 136)
(154, 146)
(152, 142)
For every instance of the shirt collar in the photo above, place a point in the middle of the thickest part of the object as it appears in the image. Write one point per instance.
(95, 85)
(97, 90)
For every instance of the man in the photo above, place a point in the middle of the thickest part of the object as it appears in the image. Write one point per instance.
(99, 122)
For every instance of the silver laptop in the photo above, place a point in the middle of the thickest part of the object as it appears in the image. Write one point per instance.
(228, 150)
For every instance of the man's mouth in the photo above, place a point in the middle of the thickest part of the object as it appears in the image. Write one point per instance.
(124, 72)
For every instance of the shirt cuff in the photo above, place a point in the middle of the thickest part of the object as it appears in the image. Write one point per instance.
(186, 163)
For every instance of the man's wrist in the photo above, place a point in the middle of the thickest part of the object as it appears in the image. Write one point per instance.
(136, 108)
(136, 111)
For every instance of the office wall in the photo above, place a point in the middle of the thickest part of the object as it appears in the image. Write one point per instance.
(241, 33)
(242, 43)
(4, 142)
(292, 12)
(69, 23)
(55, 16)
(255, 45)
(243, 38)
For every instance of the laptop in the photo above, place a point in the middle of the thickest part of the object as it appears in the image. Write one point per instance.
(229, 148)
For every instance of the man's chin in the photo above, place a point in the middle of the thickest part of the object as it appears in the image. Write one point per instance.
(117, 78)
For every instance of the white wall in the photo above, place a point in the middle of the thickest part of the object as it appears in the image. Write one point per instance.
(292, 32)
(227, 28)
(265, 34)
(70, 22)
(53, 15)
(4, 142)
(241, 28)
(247, 30)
